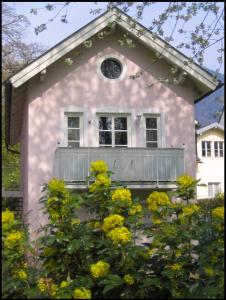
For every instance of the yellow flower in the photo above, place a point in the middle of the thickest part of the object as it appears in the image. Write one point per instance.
(98, 167)
(7, 219)
(53, 290)
(100, 269)
(209, 271)
(57, 188)
(82, 293)
(122, 197)
(158, 199)
(218, 212)
(41, 285)
(64, 284)
(112, 221)
(185, 180)
(135, 209)
(189, 210)
(128, 279)
(102, 181)
(20, 273)
(119, 235)
(175, 267)
(13, 239)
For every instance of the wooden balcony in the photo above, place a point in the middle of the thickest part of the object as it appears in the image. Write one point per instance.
(138, 168)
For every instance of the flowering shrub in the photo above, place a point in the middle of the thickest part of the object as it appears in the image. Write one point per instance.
(100, 257)
(100, 269)
(14, 269)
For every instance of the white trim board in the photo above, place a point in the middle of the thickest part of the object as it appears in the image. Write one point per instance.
(170, 54)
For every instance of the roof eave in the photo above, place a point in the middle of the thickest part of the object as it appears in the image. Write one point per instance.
(156, 44)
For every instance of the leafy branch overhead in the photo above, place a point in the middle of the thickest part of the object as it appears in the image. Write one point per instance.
(190, 26)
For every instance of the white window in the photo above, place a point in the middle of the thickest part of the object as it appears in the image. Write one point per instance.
(113, 130)
(206, 148)
(152, 125)
(73, 131)
(213, 189)
(219, 149)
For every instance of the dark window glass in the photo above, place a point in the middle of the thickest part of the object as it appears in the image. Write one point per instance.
(111, 68)
(151, 123)
(120, 138)
(105, 138)
(73, 134)
(208, 149)
(151, 135)
(105, 123)
(152, 145)
(73, 122)
(120, 123)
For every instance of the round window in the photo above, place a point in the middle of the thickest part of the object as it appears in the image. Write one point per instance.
(111, 68)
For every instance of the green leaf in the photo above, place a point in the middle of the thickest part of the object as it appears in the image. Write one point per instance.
(73, 246)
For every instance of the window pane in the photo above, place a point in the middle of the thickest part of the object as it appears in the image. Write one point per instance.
(105, 138)
(120, 138)
(210, 189)
(73, 144)
(151, 135)
(152, 145)
(203, 153)
(216, 189)
(221, 153)
(221, 145)
(151, 123)
(73, 134)
(121, 123)
(73, 122)
(215, 145)
(105, 123)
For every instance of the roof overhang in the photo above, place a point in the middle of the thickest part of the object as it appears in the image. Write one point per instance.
(214, 125)
(204, 79)
(16, 85)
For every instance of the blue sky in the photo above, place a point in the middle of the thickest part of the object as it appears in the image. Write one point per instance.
(79, 15)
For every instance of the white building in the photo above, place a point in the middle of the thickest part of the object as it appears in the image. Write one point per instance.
(210, 163)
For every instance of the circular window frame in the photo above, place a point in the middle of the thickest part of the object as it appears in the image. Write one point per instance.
(119, 59)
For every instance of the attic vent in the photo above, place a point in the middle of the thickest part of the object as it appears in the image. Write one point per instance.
(111, 68)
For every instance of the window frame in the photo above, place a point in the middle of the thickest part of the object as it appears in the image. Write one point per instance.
(66, 128)
(158, 129)
(113, 131)
(218, 149)
(214, 189)
(205, 149)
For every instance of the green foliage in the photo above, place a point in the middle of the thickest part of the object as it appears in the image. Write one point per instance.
(100, 256)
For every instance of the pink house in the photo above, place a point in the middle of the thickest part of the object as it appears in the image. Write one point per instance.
(67, 114)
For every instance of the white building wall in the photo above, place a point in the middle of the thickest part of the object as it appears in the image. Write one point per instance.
(211, 169)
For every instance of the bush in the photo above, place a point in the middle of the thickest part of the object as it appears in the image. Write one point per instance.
(100, 257)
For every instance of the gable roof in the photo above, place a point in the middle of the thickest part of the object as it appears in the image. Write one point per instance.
(15, 86)
(214, 125)
(173, 56)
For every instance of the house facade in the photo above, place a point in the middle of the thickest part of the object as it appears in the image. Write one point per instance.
(66, 115)
(210, 167)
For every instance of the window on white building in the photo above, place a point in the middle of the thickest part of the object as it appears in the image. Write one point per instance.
(113, 131)
(206, 148)
(219, 149)
(213, 189)
(152, 124)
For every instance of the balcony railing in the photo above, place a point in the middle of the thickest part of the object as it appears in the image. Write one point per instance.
(137, 167)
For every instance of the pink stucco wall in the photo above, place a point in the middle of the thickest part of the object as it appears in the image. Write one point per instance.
(80, 85)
